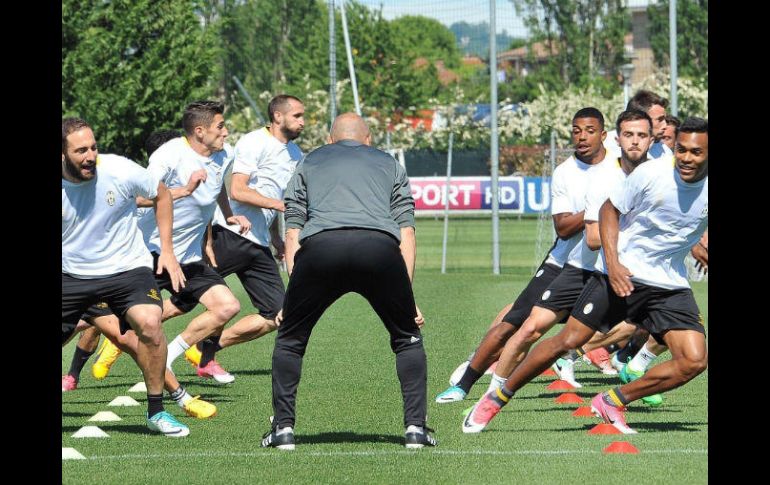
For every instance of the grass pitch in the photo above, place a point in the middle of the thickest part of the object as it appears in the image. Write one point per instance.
(349, 412)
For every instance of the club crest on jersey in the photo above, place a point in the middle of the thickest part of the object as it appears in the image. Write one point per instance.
(111, 198)
(588, 308)
(539, 273)
(705, 211)
(546, 295)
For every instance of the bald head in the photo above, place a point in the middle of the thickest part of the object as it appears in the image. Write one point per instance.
(350, 126)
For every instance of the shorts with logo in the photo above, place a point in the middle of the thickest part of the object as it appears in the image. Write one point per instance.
(522, 307)
(657, 310)
(120, 292)
(199, 278)
(253, 264)
(565, 289)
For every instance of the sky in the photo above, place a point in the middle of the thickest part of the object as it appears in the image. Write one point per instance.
(450, 11)
(471, 11)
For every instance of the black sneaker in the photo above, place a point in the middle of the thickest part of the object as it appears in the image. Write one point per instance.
(417, 437)
(282, 441)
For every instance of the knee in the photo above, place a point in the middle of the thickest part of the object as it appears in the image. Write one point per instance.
(690, 368)
(226, 309)
(150, 332)
(570, 341)
(529, 332)
(502, 332)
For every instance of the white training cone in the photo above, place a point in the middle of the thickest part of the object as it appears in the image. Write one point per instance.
(123, 401)
(71, 454)
(90, 432)
(105, 416)
(138, 387)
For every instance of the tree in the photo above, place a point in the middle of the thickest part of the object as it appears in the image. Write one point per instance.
(428, 38)
(692, 47)
(584, 37)
(130, 66)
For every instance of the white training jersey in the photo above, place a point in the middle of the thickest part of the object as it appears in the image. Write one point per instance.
(173, 164)
(657, 150)
(99, 233)
(607, 176)
(568, 193)
(662, 218)
(269, 165)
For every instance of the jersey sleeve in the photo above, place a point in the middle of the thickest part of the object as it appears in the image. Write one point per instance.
(162, 164)
(401, 200)
(295, 198)
(560, 201)
(139, 180)
(248, 154)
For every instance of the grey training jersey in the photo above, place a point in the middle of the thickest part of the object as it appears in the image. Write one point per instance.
(349, 185)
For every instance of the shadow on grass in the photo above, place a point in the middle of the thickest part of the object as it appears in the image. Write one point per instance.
(75, 415)
(347, 437)
(251, 372)
(112, 428)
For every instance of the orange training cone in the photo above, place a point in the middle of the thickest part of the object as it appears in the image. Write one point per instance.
(569, 398)
(583, 412)
(621, 447)
(604, 428)
(548, 372)
(560, 385)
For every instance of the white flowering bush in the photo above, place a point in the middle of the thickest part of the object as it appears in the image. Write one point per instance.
(530, 124)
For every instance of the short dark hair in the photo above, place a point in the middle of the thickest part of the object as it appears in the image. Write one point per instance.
(590, 112)
(644, 100)
(632, 115)
(200, 113)
(675, 122)
(279, 103)
(70, 125)
(694, 124)
(158, 138)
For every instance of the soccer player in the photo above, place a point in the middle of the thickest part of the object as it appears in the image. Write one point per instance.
(655, 107)
(670, 131)
(104, 258)
(643, 278)
(568, 188)
(89, 338)
(265, 160)
(351, 209)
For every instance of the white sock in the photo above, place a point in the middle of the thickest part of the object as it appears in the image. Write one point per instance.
(175, 349)
(641, 360)
(287, 429)
(496, 382)
(186, 397)
(413, 429)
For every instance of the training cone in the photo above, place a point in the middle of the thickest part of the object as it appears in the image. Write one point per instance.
(621, 447)
(604, 428)
(559, 385)
(569, 398)
(548, 372)
(583, 412)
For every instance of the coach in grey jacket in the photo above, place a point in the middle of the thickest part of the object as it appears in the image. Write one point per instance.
(350, 227)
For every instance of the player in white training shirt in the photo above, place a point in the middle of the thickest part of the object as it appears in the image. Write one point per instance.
(568, 188)
(655, 107)
(104, 258)
(558, 300)
(664, 209)
(265, 160)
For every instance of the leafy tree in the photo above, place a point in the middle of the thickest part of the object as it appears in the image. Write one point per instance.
(585, 39)
(428, 38)
(691, 37)
(130, 66)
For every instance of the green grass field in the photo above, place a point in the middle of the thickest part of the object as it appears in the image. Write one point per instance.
(349, 410)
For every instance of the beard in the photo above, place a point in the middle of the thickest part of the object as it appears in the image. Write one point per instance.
(290, 134)
(72, 170)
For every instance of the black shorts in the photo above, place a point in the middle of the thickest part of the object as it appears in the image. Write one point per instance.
(655, 309)
(255, 267)
(199, 278)
(522, 307)
(120, 292)
(565, 289)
